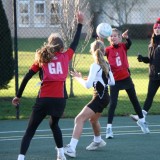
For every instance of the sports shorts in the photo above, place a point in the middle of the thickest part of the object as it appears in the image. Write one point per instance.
(97, 104)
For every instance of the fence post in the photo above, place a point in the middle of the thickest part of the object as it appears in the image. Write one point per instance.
(16, 54)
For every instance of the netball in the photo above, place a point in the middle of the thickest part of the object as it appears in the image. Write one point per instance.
(104, 30)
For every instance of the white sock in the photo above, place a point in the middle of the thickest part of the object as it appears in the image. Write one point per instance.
(60, 151)
(109, 126)
(97, 139)
(144, 112)
(21, 157)
(73, 143)
(142, 120)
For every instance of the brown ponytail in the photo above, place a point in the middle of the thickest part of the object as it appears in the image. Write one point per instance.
(48, 50)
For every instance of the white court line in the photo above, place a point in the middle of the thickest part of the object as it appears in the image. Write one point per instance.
(88, 134)
(68, 129)
(83, 135)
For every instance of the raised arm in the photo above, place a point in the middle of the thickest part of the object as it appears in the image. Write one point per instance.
(80, 18)
(128, 41)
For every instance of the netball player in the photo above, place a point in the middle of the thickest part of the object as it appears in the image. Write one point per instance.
(98, 77)
(153, 59)
(116, 54)
(51, 100)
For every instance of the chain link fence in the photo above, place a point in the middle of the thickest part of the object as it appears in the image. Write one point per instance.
(34, 20)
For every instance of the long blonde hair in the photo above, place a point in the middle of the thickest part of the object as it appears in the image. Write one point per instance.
(48, 50)
(98, 48)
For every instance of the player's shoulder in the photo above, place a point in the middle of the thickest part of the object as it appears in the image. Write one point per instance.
(108, 50)
(95, 66)
(68, 51)
(109, 47)
(35, 67)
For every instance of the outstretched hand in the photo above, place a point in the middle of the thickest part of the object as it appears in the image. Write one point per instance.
(15, 101)
(80, 17)
(75, 74)
(140, 58)
(125, 34)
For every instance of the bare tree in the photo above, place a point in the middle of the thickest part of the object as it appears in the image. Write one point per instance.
(66, 15)
(96, 10)
(121, 9)
(116, 10)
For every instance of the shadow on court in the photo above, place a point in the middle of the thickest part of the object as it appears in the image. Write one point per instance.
(129, 142)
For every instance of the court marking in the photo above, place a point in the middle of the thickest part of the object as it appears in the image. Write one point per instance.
(66, 129)
(84, 134)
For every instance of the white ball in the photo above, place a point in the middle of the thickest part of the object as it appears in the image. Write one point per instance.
(104, 30)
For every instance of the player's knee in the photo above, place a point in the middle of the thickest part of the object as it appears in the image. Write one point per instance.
(79, 119)
(92, 120)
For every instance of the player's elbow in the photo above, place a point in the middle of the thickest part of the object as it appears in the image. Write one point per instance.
(88, 86)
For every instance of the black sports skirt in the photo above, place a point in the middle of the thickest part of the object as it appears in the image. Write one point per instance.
(98, 104)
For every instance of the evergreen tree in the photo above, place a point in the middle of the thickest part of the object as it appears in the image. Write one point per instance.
(6, 51)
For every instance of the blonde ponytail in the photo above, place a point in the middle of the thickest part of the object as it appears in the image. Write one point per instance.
(101, 61)
(97, 48)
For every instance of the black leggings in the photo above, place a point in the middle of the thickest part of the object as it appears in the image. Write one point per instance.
(35, 120)
(152, 89)
(114, 91)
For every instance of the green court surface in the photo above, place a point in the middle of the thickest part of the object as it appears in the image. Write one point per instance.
(129, 142)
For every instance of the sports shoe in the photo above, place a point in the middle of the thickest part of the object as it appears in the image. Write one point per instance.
(61, 157)
(69, 151)
(144, 126)
(136, 118)
(95, 145)
(109, 133)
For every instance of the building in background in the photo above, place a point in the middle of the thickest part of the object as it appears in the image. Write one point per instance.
(37, 18)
